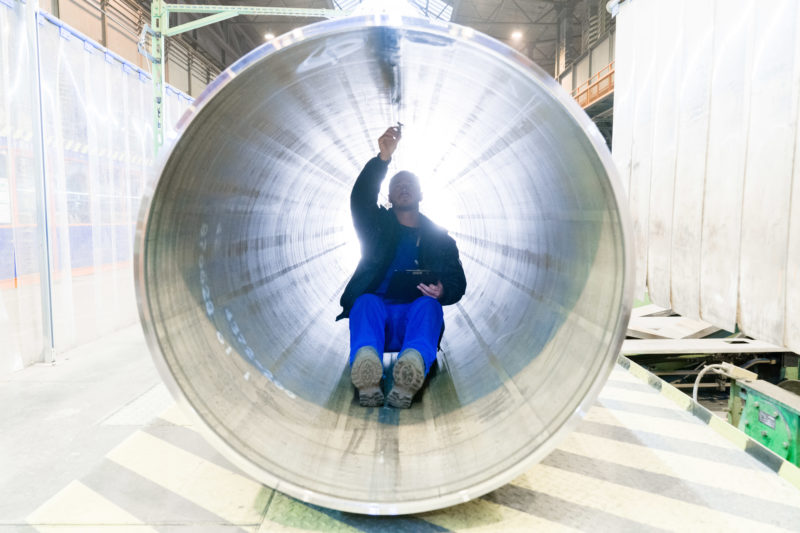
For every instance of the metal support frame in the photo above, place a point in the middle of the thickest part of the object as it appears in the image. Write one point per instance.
(103, 23)
(45, 255)
(159, 30)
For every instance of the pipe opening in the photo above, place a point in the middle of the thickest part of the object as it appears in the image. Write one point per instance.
(246, 243)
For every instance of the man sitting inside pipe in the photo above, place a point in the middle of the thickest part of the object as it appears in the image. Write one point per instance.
(396, 242)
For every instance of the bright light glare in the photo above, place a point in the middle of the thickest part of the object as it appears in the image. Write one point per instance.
(426, 149)
(516, 35)
(437, 204)
(348, 255)
(269, 36)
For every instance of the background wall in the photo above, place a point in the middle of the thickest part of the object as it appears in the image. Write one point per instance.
(592, 61)
(707, 139)
(70, 185)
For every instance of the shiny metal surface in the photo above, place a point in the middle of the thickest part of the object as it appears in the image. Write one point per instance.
(245, 244)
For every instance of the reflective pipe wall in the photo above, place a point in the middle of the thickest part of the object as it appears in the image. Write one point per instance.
(245, 244)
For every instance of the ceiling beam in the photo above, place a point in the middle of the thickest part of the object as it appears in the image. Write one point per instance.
(469, 22)
(497, 10)
(530, 20)
(546, 13)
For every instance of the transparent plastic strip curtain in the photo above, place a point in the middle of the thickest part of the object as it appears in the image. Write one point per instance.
(97, 130)
(706, 133)
(21, 324)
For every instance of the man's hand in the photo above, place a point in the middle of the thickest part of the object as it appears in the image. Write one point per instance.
(388, 142)
(434, 291)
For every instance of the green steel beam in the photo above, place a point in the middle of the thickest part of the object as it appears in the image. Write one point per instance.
(199, 23)
(159, 20)
(160, 30)
(256, 10)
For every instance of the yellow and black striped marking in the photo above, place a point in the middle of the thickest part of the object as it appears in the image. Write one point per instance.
(643, 459)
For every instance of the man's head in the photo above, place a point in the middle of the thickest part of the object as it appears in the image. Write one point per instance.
(404, 191)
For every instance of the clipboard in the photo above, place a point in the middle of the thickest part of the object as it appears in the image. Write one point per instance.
(403, 284)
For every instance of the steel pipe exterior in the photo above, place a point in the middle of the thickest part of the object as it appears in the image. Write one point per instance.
(245, 244)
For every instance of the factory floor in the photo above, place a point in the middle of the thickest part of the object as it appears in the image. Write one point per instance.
(95, 443)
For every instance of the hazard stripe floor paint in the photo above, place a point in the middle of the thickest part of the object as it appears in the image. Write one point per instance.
(640, 509)
(617, 415)
(77, 506)
(637, 463)
(232, 496)
(685, 468)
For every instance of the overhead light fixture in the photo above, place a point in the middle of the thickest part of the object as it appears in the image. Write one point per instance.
(516, 35)
(269, 36)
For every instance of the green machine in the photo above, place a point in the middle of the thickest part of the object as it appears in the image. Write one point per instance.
(767, 413)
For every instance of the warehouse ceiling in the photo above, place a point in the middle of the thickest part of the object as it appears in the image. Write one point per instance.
(536, 20)
(530, 26)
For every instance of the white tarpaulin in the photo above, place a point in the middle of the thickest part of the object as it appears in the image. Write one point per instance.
(706, 135)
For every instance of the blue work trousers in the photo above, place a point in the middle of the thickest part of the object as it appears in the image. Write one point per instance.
(390, 327)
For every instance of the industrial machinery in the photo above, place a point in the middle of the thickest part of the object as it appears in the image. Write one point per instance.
(769, 414)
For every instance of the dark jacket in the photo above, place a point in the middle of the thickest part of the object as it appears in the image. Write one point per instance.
(378, 231)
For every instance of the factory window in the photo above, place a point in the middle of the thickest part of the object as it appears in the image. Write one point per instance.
(434, 9)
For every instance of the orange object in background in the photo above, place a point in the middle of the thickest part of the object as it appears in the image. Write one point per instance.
(595, 87)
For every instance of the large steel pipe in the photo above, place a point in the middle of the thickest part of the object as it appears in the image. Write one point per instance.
(245, 243)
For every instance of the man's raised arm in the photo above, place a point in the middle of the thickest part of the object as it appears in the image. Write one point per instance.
(364, 197)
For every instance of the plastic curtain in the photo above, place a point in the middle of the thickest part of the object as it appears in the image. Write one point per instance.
(97, 130)
(21, 238)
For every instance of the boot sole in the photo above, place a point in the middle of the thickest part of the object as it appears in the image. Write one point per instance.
(408, 379)
(366, 376)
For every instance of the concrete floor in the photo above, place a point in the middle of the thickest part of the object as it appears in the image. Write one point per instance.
(95, 443)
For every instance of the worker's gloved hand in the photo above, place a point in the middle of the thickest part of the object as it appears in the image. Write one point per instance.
(388, 142)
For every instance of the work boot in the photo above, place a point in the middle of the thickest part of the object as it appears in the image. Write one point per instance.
(366, 375)
(409, 374)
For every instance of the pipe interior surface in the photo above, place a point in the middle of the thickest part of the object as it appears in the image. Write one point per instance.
(245, 244)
